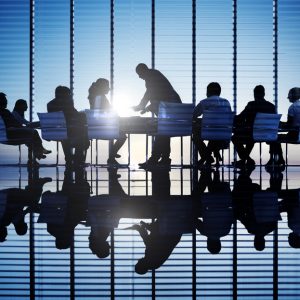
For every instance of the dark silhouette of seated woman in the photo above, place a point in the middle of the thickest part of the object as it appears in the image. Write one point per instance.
(98, 100)
(19, 113)
(16, 130)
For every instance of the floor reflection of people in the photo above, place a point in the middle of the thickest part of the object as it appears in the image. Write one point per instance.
(158, 88)
(257, 210)
(13, 202)
(104, 215)
(159, 238)
(63, 210)
(216, 210)
(291, 204)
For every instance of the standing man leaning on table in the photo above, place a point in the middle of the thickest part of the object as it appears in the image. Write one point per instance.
(158, 88)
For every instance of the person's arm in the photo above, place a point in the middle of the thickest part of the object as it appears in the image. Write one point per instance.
(20, 119)
(141, 106)
(290, 121)
(198, 111)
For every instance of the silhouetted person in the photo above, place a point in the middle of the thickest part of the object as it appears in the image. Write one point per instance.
(216, 210)
(104, 216)
(158, 246)
(291, 204)
(98, 100)
(76, 126)
(213, 102)
(158, 89)
(159, 239)
(63, 210)
(15, 130)
(19, 113)
(293, 121)
(244, 122)
(13, 202)
(257, 210)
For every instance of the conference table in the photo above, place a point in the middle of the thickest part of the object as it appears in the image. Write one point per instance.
(138, 125)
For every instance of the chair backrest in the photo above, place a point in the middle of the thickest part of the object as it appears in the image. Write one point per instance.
(266, 207)
(3, 136)
(175, 119)
(217, 125)
(265, 127)
(53, 208)
(102, 125)
(53, 126)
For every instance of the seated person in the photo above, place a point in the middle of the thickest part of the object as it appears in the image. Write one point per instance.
(98, 100)
(243, 134)
(76, 126)
(19, 113)
(15, 130)
(212, 102)
(293, 118)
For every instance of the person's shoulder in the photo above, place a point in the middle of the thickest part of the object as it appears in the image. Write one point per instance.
(224, 100)
(51, 102)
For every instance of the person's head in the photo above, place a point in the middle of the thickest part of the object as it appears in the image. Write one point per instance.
(100, 248)
(214, 245)
(3, 233)
(62, 92)
(294, 240)
(141, 266)
(259, 242)
(259, 92)
(98, 88)
(21, 105)
(294, 94)
(62, 244)
(3, 101)
(21, 228)
(142, 70)
(213, 89)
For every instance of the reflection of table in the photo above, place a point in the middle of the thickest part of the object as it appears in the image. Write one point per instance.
(138, 125)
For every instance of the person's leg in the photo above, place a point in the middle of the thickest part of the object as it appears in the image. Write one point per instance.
(67, 151)
(165, 150)
(200, 145)
(117, 145)
(239, 147)
(156, 153)
(248, 150)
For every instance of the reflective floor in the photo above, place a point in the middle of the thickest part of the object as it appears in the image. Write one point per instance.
(130, 234)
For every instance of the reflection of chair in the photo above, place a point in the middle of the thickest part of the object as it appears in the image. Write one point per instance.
(53, 208)
(53, 127)
(103, 211)
(175, 119)
(3, 202)
(217, 126)
(266, 207)
(13, 142)
(265, 128)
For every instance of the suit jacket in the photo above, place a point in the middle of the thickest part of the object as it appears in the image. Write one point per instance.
(247, 116)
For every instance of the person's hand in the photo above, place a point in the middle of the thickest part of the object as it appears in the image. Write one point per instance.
(137, 108)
